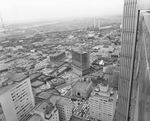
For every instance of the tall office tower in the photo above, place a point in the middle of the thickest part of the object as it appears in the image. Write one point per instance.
(126, 57)
(141, 73)
(64, 107)
(80, 62)
(115, 79)
(102, 103)
(127, 83)
(16, 101)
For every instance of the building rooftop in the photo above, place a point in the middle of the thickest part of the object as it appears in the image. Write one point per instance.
(12, 81)
(53, 99)
(35, 117)
(57, 53)
(63, 101)
(44, 95)
(37, 83)
(79, 50)
(3, 67)
(83, 86)
(104, 91)
(43, 106)
(4, 89)
(57, 81)
(16, 77)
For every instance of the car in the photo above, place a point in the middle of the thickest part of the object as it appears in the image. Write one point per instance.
(80, 114)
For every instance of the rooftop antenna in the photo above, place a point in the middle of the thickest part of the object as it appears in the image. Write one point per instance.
(94, 23)
(2, 24)
(3, 27)
(99, 24)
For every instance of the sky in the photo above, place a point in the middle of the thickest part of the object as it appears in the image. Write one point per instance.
(14, 11)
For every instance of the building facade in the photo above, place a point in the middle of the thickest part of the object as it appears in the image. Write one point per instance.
(80, 62)
(57, 58)
(115, 79)
(16, 101)
(64, 107)
(47, 111)
(102, 103)
(82, 89)
(128, 61)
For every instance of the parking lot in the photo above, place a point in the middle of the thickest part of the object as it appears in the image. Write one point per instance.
(81, 109)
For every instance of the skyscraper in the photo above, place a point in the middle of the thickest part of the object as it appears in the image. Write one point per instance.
(142, 71)
(126, 107)
(80, 62)
(16, 101)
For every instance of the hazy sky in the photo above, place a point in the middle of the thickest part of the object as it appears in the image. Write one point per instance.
(32, 10)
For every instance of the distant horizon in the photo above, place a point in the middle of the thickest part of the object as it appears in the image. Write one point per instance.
(26, 11)
(59, 19)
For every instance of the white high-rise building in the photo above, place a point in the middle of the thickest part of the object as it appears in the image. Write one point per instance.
(16, 101)
(102, 103)
(64, 107)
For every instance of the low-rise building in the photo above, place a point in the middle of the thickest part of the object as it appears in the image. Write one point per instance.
(57, 58)
(47, 111)
(56, 82)
(82, 89)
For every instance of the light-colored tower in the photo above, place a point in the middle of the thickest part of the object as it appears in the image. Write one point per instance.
(102, 103)
(94, 22)
(16, 101)
(99, 24)
(64, 107)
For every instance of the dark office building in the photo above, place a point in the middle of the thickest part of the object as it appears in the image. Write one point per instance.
(127, 108)
(57, 57)
(80, 62)
(115, 79)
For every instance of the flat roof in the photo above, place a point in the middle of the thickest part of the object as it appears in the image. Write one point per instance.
(3, 67)
(57, 53)
(63, 101)
(35, 117)
(4, 89)
(17, 77)
(53, 99)
(57, 80)
(43, 105)
(107, 93)
(82, 86)
(79, 50)
(44, 95)
(37, 83)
